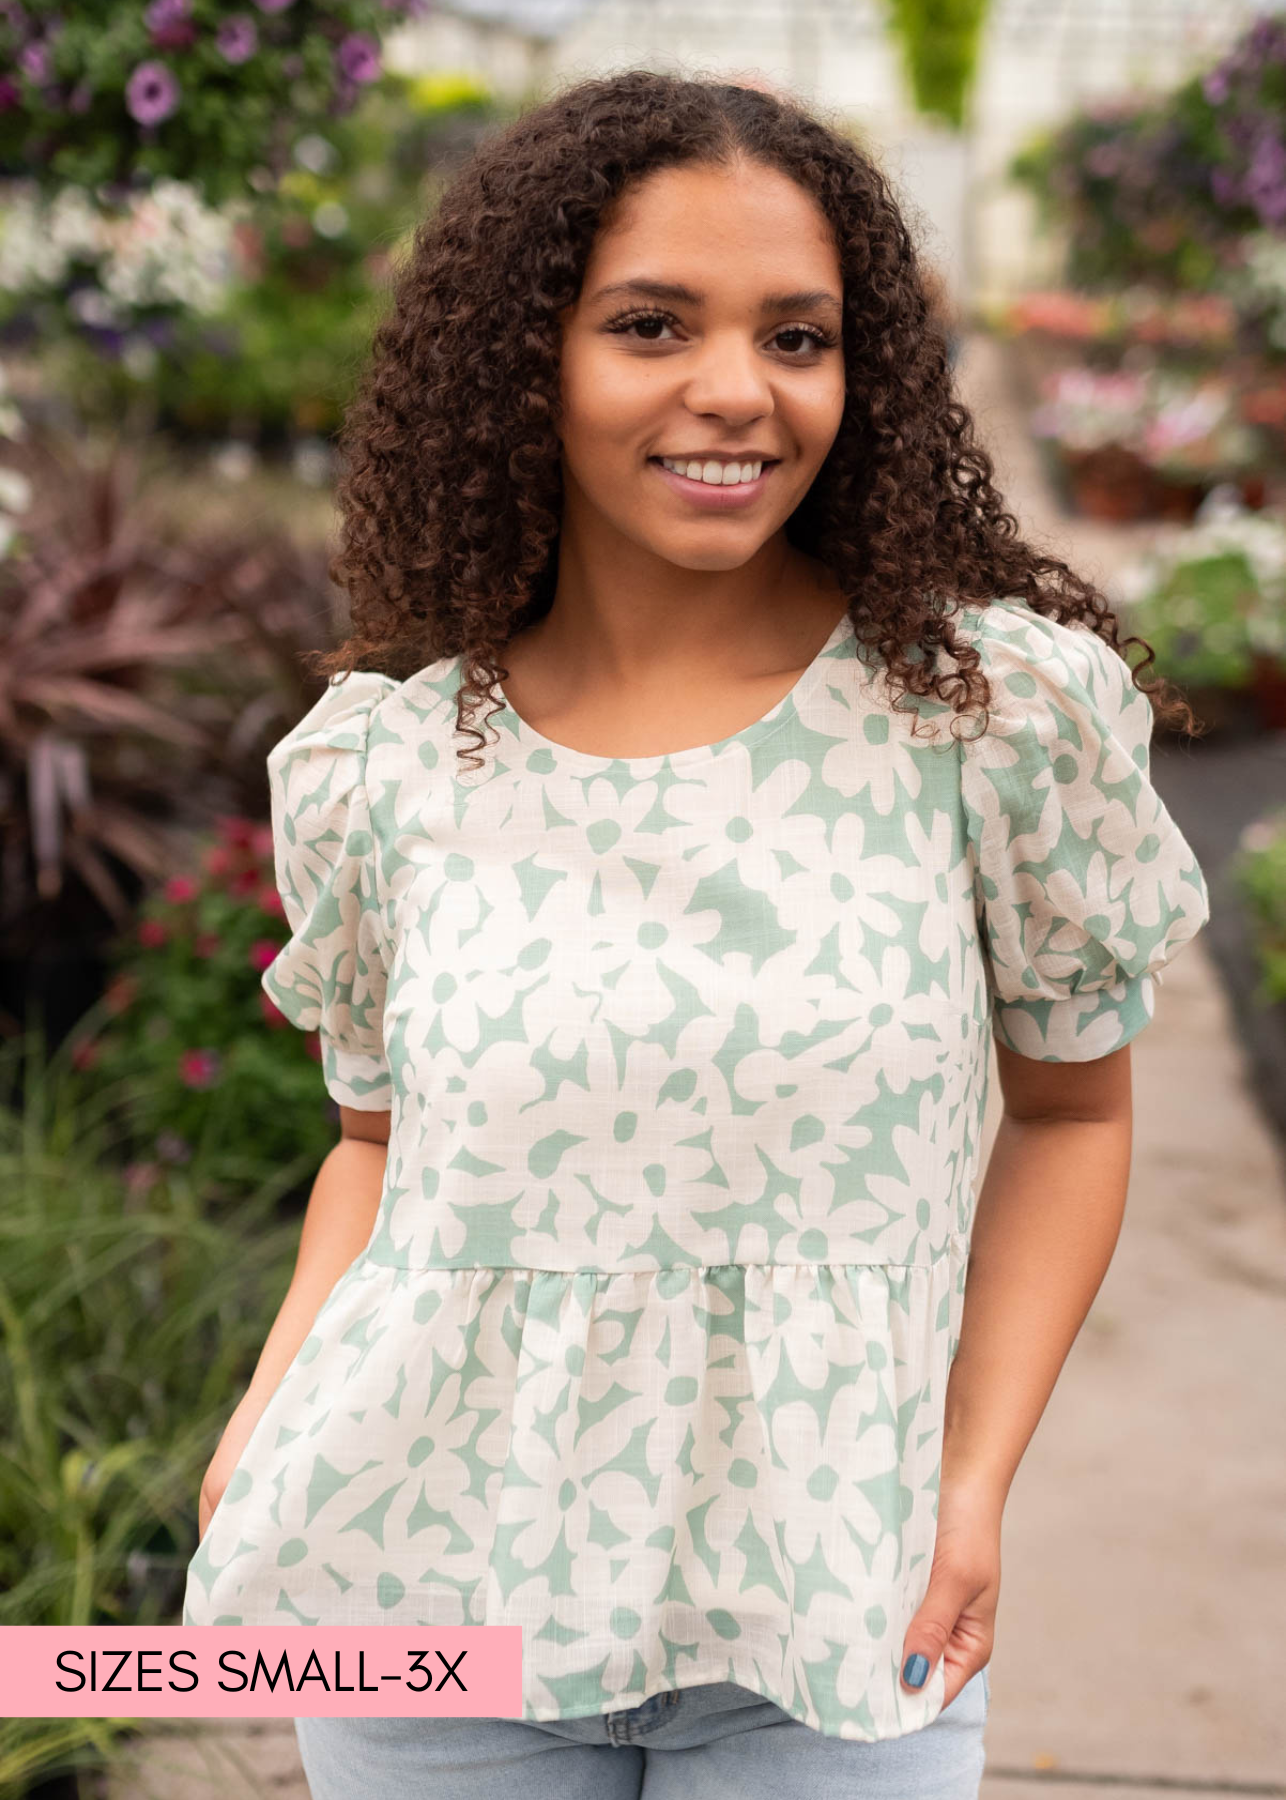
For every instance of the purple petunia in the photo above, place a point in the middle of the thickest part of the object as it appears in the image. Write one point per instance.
(167, 12)
(33, 59)
(238, 38)
(151, 93)
(358, 57)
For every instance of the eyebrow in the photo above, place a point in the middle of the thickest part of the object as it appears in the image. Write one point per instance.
(804, 300)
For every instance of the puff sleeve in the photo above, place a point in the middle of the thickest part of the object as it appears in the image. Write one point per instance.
(1085, 887)
(331, 974)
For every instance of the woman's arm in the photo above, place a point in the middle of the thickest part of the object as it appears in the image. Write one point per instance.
(337, 1226)
(1048, 1217)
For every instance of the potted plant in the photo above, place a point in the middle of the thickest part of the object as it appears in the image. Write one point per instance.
(1145, 442)
(1211, 600)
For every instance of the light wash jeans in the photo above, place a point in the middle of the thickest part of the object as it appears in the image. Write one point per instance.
(715, 1742)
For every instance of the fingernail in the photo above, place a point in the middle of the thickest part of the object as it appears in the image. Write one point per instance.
(915, 1670)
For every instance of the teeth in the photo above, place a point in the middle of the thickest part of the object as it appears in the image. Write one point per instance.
(716, 473)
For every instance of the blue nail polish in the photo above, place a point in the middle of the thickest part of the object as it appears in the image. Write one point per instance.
(917, 1667)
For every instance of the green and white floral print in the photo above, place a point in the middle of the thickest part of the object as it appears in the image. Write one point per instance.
(687, 1058)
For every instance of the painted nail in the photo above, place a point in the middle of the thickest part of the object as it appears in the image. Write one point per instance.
(915, 1670)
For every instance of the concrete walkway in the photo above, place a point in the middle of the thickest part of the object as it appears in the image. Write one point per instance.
(1145, 1536)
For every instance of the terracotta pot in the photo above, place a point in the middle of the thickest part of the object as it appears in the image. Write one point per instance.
(1110, 483)
(1225, 712)
(1178, 501)
(1268, 685)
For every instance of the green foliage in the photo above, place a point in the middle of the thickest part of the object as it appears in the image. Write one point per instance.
(940, 40)
(199, 1060)
(1162, 189)
(1197, 620)
(1119, 182)
(1212, 600)
(100, 94)
(130, 1322)
(277, 348)
(1259, 871)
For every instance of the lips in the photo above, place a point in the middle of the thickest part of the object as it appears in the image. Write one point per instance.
(712, 497)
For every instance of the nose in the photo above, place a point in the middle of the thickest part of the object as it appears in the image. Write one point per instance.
(729, 379)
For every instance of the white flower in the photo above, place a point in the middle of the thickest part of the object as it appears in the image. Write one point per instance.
(15, 491)
(234, 460)
(330, 219)
(315, 153)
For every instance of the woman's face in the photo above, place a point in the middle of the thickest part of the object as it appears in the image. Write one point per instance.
(707, 331)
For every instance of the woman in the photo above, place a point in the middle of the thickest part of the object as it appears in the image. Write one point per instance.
(627, 1302)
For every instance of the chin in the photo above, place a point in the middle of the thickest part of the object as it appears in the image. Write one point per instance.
(702, 558)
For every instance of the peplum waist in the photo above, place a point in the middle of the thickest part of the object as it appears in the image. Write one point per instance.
(662, 1474)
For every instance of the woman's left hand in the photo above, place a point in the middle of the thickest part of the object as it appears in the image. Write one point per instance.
(956, 1620)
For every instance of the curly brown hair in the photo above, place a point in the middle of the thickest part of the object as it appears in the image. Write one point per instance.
(450, 486)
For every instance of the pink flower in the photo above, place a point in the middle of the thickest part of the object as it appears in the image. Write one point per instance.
(236, 831)
(206, 943)
(85, 1054)
(151, 93)
(245, 881)
(262, 952)
(261, 840)
(238, 38)
(152, 934)
(200, 1068)
(34, 61)
(120, 992)
(358, 56)
(270, 902)
(180, 888)
(140, 1176)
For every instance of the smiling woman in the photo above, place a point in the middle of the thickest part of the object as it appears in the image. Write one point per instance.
(679, 1007)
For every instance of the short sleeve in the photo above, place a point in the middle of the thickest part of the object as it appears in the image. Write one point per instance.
(1085, 887)
(330, 976)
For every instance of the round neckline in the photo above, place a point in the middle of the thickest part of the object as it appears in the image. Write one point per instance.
(527, 736)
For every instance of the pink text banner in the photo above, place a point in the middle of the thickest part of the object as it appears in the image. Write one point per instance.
(260, 1671)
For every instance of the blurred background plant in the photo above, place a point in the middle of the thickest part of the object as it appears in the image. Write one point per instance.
(145, 669)
(184, 1037)
(132, 1304)
(1211, 600)
(105, 95)
(1260, 872)
(249, 317)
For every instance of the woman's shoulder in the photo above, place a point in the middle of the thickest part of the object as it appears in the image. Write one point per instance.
(339, 719)
(363, 708)
(1012, 639)
(1045, 672)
